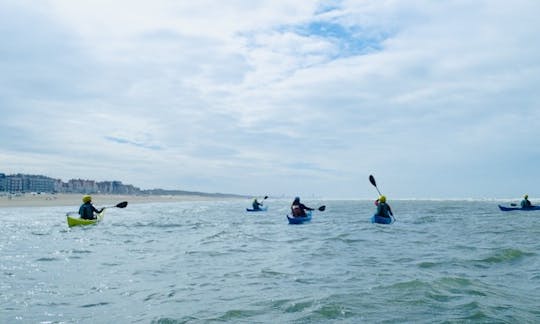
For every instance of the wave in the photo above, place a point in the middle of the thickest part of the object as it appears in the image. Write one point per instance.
(504, 256)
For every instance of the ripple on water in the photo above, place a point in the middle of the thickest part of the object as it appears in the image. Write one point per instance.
(510, 256)
(436, 264)
(167, 320)
(237, 315)
(94, 305)
(47, 259)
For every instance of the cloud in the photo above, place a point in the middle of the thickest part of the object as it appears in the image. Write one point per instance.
(129, 142)
(303, 97)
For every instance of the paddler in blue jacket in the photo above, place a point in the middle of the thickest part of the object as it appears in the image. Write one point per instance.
(298, 209)
(87, 210)
(525, 203)
(383, 209)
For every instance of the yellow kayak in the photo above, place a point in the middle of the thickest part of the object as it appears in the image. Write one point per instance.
(77, 221)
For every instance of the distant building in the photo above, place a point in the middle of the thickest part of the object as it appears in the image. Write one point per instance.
(2, 182)
(37, 183)
(14, 184)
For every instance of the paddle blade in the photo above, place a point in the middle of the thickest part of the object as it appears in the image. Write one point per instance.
(123, 204)
(322, 208)
(265, 197)
(372, 180)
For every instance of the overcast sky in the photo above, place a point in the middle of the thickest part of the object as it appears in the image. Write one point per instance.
(436, 99)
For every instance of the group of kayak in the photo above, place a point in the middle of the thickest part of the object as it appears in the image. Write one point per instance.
(301, 213)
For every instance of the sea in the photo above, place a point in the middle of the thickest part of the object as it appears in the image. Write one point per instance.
(445, 261)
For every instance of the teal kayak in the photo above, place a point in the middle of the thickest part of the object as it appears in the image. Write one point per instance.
(265, 208)
(381, 220)
(301, 219)
(503, 208)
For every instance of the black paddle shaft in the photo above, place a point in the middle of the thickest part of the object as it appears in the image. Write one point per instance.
(372, 180)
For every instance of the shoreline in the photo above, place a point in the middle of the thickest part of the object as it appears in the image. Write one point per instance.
(99, 200)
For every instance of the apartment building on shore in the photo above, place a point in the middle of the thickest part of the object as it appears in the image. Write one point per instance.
(23, 183)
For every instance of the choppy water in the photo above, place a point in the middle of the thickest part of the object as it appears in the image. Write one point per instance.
(446, 261)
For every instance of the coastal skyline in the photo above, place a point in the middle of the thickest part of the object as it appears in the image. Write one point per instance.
(38, 183)
(436, 100)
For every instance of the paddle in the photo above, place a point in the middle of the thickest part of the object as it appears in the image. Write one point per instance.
(123, 204)
(372, 180)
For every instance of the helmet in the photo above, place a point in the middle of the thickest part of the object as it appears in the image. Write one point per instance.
(526, 196)
(86, 199)
(382, 199)
(297, 199)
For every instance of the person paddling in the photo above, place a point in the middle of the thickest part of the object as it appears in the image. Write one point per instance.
(525, 203)
(87, 210)
(256, 204)
(298, 209)
(383, 209)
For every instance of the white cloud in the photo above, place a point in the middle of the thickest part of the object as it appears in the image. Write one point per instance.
(302, 97)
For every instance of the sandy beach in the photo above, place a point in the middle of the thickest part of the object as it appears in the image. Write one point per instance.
(50, 200)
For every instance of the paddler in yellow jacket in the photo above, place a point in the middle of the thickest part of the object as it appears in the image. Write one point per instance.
(383, 209)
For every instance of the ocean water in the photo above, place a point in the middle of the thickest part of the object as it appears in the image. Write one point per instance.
(211, 262)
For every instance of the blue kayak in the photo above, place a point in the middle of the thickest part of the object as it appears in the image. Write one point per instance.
(265, 208)
(503, 208)
(300, 220)
(381, 220)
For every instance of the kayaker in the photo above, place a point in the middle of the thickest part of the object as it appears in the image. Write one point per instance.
(383, 209)
(525, 203)
(298, 209)
(256, 204)
(87, 210)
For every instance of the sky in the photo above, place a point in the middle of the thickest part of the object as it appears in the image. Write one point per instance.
(435, 99)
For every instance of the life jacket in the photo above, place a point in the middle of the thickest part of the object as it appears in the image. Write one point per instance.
(383, 210)
(86, 211)
(297, 211)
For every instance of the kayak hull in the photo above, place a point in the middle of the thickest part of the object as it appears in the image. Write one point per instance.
(300, 220)
(262, 209)
(381, 220)
(77, 221)
(504, 208)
